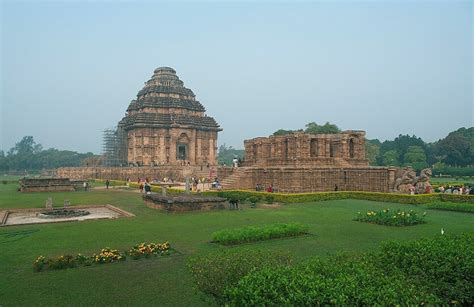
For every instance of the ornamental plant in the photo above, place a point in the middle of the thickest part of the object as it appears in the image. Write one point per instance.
(108, 255)
(151, 249)
(253, 233)
(391, 218)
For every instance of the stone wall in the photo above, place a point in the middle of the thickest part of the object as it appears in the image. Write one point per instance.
(294, 179)
(151, 146)
(177, 173)
(345, 149)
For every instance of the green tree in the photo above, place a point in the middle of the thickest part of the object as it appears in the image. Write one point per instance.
(372, 149)
(284, 132)
(415, 157)
(227, 154)
(326, 128)
(391, 158)
(457, 147)
(400, 144)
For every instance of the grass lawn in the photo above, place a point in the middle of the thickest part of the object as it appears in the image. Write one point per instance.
(165, 281)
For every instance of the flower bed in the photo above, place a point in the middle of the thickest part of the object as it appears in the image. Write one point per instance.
(391, 218)
(252, 233)
(106, 255)
(151, 249)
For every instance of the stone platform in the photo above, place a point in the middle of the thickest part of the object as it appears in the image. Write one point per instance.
(184, 203)
(46, 185)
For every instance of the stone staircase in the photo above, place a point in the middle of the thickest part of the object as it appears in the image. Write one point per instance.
(232, 181)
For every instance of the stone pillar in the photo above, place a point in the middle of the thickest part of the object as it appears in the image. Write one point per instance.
(198, 149)
(162, 155)
(212, 149)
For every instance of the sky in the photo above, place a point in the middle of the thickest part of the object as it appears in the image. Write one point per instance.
(70, 69)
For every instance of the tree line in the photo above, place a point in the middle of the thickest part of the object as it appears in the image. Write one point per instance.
(453, 154)
(29, 155)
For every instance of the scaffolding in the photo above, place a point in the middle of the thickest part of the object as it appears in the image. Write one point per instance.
(113, 147)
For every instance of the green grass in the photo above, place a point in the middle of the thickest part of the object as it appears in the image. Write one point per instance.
(165, 281)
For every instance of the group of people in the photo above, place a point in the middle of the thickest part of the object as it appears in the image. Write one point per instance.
(456, 190)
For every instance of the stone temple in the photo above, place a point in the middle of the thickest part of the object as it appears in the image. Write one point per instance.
(166, 125)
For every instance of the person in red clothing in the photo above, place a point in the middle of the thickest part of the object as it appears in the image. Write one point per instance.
(270, 188)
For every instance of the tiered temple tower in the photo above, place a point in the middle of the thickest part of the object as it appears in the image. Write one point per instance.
(166, 125)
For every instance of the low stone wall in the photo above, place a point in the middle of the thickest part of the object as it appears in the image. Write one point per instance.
(46, 185)
(318, 179)
(184, 203)
(177, 173)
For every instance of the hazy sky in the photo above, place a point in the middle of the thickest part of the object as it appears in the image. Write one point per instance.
(70, 69)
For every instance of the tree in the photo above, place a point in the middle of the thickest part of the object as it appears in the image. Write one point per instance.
(400, 144)
(372, 149)
(457, 147)
(415, 157)
(226, 154)
(391, 158)
(284, 132)
(326, 128)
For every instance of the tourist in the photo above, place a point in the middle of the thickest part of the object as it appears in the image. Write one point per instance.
(141, 187)
(147, 188)
(270, 188)
(235, 162)
(85, 185)
(336, 187)
(107, 183)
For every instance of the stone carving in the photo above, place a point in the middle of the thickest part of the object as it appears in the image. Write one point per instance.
(422, 184)
(405, 183)
(409, 183)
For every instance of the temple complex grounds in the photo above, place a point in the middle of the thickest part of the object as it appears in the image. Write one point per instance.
(167, 281)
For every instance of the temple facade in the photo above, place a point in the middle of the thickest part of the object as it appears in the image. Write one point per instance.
(166, 125)
(345, 149)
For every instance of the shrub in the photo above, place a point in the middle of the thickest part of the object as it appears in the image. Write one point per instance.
(108, 255)
(253, 233)
(456, 198)
(39, 264)
(463, 207)
(337, 281)
(148, 250)
(216, 271)
(269, 199)
(443, 265)
(435, 271)
(391, 218)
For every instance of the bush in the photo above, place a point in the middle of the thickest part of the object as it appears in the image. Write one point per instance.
(106, 255)
(151, 249)
(269, 199)
(443, 265)
(253, 233)
(337, 281)
(214, 272)
(463, 207)
(391, 218)
(435, 271)
(322, 196)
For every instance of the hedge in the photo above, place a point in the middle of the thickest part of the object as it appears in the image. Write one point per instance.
(322, 196)
(435, 271)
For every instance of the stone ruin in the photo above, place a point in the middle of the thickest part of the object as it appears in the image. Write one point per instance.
(46, 185)
(408, 183)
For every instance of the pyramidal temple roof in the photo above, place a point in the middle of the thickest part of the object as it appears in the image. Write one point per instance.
(164, 101)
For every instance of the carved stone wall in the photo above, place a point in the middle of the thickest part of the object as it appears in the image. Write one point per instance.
(346, 149)
(294, 179)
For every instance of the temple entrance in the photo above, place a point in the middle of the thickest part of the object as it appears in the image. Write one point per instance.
(182, 152)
